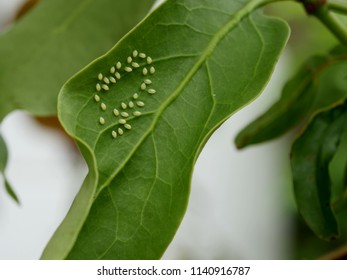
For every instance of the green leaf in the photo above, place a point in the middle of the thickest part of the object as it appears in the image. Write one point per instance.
(3, 155)
(3, 163)
(338, 174)
(319, 83)
(210, 59)
(55, 40)
(312, 153)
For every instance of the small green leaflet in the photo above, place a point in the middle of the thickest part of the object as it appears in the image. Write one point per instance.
(311, 154)
(319, 83)
(3, 163)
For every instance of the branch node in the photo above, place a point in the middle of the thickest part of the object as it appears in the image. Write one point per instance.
(312, 6)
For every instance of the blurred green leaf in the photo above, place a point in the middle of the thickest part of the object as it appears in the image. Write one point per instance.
(3, 163)
(311, 155)
(55, 40)
(3, 155)
(210, 59)
(319, 84)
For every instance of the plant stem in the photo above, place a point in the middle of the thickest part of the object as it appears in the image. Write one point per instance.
(332, 23)
(337, 7)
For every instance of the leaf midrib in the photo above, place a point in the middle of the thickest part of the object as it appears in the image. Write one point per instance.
(212, 45)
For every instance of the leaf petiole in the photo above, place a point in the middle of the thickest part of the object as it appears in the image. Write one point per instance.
(332, 23)
(337, 6)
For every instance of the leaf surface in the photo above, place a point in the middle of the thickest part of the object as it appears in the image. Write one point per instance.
(210, 59)
(319, 83)
(312, 153)
(55, 40)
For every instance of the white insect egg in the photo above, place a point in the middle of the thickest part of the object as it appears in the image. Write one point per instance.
(106, 80)
(103, 106)
(124, 106)
(135, 53)
(118, 65)
(100, 76)
(128, 69)
(149, 60)
(98, 87)
(105, 87)
(135, 96)
(124, 114)
(129, 59)
(144, 71)
(140, 103)
(101, 120)
(97, 98)
(135, 65)
(142, 55)
(114, 134)
(120, 131)
(147, 81)
(143, 86)
(152, 91)
(127, 126)
(113, 69)
(131, 104)
(117, 75)
(116, 112)
(137, 113)
(113, 80)
(122, 121)
(152, 70)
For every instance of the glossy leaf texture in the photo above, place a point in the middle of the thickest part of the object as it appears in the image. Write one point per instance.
(318, 84)
(182, 72)
(312, 153)
(54, 41)
(3, 163)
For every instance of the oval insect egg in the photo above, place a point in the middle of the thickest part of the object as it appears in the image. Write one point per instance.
(106, 80)
(105, 87)
(97, 98)
(124, 114)
(103, 106)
